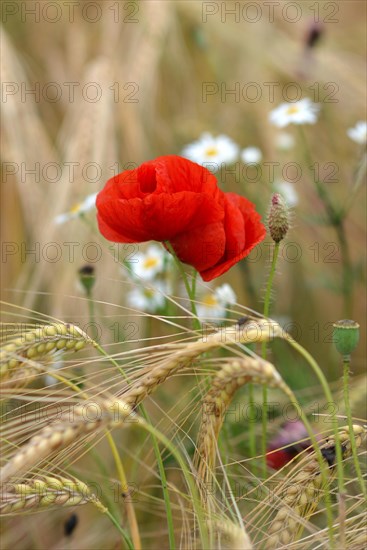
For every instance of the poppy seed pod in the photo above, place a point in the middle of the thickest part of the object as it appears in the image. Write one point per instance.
(278, 220)
(87, 277)
(346, 336)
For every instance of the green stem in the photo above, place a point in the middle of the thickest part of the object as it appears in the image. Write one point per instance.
(252, 419)
(162, 473)
(336, 218)
(320, 375)
(189, 290)
(322, 464)
(359, 180)
(133, 524)
(125, 536)
(264, 355)
(157, 455)
(346, 369)
(195, 498)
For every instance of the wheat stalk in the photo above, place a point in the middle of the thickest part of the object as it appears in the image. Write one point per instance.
(303, 489)
(43, 492)
(236, 373)
(73, 424)
(253, 331)
(38, 343)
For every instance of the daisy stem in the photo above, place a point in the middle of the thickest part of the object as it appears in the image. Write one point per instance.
(264, 355)
(336, 219)
(190, 290)
(348, 412)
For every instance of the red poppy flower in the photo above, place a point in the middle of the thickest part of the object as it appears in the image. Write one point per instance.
(173, 199)
(291, 440)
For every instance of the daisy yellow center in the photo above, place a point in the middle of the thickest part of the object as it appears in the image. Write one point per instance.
(75, 208)
(211, 152)
(210, 300)
(150, 262)
(292, 110)
(149, 293)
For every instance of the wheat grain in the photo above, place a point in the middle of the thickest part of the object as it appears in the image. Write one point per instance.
(303, 489)
(38, 343)
(44, 492)
(253, 331)
(230, 535)
(73, 424)
(230, 378)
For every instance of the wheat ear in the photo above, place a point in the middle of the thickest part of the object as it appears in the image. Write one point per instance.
(303, 490)
(38, 343)
(73, 424)
(261, 330)
(230, 535)
(43, 492)
(236, 373)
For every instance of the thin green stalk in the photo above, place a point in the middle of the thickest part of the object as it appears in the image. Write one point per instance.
(269, 287)
(189, 290)
(252, 419)
(336, 218)
(199, 512)
(346, 369)
(167, 502)
(125, 536)
(322, 464)
(157, 455)
(133, 524)
(320, 375)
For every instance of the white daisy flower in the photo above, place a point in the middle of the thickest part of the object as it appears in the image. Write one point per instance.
(300, 112)
(77, 209)
(359, 132)
(146, 265)
(251, 155)
(288, 192)
(149, 299)
(226, 294)
(284, 141)
(213, 304)
(56, 365)
(212, 151)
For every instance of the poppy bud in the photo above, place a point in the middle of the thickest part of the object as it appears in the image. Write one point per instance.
(278, 220)
(87, 277)
(346, 336)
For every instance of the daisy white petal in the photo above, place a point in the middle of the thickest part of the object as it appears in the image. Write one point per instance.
(148, 264)
(299, 112)
(288, 192)
(149, 299)
(77, 209)
(284, 141)
(251, 155)
(212, 151)
(359, 132)
(225, 294)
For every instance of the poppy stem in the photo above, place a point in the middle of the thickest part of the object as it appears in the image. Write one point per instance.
(190, 290)
(264, 355)
(348, 412)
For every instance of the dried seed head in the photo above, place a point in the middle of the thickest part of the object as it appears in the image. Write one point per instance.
(278, 220)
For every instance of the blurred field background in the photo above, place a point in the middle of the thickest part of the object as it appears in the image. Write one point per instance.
(163, 54)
